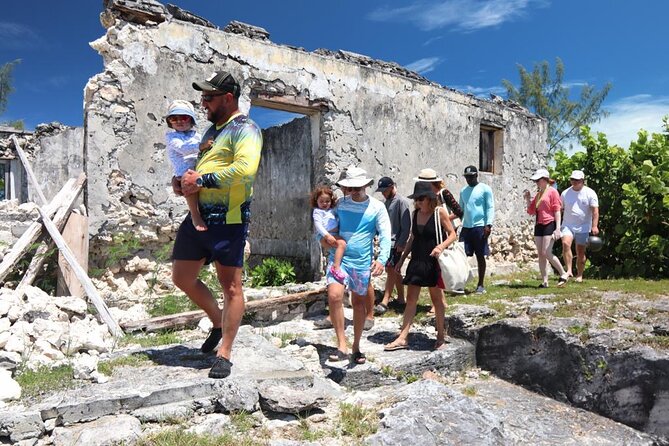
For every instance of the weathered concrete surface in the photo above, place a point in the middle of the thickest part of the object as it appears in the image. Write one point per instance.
(106, 431)
(629, 386)
(374, 114)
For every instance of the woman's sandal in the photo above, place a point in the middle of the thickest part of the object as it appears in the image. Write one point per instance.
(395, 345)
(358, 358)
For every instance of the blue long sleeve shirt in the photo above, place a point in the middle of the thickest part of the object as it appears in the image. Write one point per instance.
(478, 206)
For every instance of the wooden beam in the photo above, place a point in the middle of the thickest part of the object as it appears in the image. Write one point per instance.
(191, 318)
(91, 292)
(64, 198)
(75, 234)
(40, 255)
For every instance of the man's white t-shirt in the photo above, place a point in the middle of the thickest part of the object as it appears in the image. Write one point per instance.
(578, 209)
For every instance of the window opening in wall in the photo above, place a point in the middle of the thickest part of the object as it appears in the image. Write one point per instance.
(490, 149)
(4, 180)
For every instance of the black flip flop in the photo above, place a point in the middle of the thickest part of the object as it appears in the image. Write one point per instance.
(358, 358)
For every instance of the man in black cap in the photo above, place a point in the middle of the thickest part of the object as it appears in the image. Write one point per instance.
(400, 226)
(223, 178)
(478, 206)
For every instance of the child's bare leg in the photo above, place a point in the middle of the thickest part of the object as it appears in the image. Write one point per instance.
(192, 201)
(339, 253)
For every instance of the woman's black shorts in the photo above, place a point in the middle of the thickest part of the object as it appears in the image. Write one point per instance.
(544, 230)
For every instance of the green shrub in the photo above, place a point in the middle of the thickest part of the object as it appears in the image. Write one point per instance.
(633, 190)
(272, 272)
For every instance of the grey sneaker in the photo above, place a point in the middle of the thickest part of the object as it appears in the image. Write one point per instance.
(480, 290)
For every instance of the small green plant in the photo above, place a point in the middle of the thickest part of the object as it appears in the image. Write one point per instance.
(412, 378)
(470, 391)
(242, 421)
(661, 342)
(151, 339)
(287, 337)
(582, 331)
(272, 272)
(387, 371)
(208, 277)
(179, 437)
(123, 245)
(44, 379)
(171, 304)
(134, 360)
(309, 434)
(357, 421)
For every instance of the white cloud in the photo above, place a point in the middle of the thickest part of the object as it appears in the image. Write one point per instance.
(462, 15)
(480, 91)
(423, 66)
(16, 36)
(629, 115)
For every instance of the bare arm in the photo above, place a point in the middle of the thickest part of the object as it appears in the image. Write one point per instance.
(595, 220)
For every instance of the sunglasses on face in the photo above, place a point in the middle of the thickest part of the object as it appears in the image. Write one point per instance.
(210, 97)
(354, 189)
(176, 118)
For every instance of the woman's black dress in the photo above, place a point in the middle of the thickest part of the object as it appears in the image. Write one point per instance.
(422, 270)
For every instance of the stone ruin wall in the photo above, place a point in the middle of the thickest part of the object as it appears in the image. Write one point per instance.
(378, 115)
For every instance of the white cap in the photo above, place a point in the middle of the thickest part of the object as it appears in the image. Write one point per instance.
(577, 175)
(540, 173)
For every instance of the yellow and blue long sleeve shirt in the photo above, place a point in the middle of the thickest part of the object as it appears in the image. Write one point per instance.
(228, 170)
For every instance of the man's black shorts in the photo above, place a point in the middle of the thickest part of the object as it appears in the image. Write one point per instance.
(475, 241)
(221, 243)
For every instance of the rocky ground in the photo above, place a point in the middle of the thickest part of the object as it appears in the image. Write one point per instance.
(599, 350)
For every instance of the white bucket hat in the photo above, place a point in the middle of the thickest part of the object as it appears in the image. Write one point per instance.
(540, 173)
(355, 177)
(181, 107)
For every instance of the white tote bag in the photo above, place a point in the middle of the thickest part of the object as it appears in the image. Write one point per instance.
(455, 269)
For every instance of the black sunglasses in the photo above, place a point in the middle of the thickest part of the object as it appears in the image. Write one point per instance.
(210, 97)
(354, 188)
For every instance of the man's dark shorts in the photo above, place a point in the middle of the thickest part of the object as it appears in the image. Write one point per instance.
(475, 241)
(395, 256)
(221, 243)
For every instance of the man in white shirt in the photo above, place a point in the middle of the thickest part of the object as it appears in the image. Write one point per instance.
(581, 217)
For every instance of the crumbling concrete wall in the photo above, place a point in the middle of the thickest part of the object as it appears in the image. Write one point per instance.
(282, 187)
(369, 113)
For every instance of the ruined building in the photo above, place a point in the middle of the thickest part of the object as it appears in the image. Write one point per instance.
(355, 110)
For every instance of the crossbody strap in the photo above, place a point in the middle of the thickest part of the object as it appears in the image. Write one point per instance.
(437, 226)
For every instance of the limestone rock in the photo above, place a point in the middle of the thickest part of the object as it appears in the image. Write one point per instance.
(9, 389)
(9, 360)
(213, 424)
(84, 365)
(72, 305)
(162, 412)
(236, 395)
(21, 425)
(105, 431)
(429, 413)
(87, 334)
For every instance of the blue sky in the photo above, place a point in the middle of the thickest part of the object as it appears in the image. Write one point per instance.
(470, 45)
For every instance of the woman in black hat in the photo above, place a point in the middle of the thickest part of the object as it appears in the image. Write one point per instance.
(423, 269)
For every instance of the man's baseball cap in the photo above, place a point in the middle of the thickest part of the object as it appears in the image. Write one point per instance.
(471, 170)
(577, 175)
(219, 81)
(384, 183)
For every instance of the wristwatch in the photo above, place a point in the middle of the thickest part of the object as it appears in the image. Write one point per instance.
(199, 182)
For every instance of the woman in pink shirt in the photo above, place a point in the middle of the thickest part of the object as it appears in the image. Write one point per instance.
(546, 206)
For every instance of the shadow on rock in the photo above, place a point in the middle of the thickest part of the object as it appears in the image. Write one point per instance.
(181, 356)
